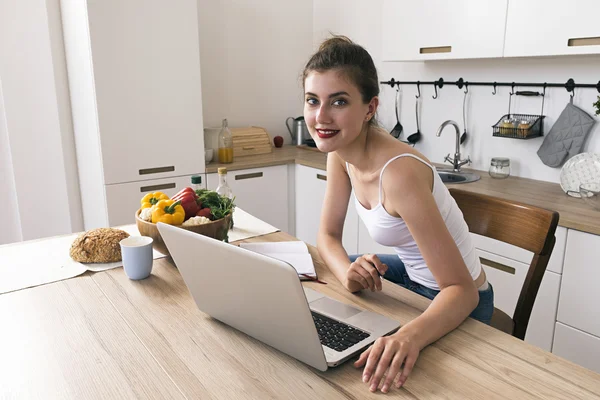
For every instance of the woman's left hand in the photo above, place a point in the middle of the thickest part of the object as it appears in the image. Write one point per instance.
(387, 354)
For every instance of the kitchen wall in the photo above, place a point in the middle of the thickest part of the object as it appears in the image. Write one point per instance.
(361, 22)
(251, 56)
(39, 175)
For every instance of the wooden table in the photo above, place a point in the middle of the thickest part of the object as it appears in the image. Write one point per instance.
(103, 336)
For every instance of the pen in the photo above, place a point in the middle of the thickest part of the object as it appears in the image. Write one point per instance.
(313, 279)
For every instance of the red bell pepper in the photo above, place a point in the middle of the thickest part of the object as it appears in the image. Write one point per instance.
(188, 199)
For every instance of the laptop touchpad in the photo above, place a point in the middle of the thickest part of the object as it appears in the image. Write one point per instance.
(334, 308)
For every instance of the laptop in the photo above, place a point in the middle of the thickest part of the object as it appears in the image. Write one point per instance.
(264, 298)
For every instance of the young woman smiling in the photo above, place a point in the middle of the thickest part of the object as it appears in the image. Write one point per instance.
(404, 205)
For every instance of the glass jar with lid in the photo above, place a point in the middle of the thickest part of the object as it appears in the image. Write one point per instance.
(500, 168)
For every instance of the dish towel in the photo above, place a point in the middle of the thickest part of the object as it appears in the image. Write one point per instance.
(566, 137)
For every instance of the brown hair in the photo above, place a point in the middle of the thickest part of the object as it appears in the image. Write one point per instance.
(339, 52)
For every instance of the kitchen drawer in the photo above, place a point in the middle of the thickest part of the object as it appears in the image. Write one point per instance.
(123, 199)
(577, 346)
(311, 184)
(507, 277)
(262, 192)
(579, 295)
(555, 263)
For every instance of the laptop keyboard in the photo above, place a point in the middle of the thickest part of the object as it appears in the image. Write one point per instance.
(337, 335)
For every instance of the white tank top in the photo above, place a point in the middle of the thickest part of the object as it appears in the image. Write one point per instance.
(391, 231)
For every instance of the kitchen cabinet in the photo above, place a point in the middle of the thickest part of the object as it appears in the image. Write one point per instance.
(577, 346)
(555, 264)
(579, 295)
(134, 82)
(507, 276)
(310, 193)
(123, 199)
(262, 192)
(542, 28)
(439, 30)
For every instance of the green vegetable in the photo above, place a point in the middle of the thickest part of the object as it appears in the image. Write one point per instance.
(597, 105)
(220, 206)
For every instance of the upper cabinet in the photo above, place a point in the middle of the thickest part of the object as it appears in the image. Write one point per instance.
(134, 77)
(441, 29)
(543, 28)
(462, 29)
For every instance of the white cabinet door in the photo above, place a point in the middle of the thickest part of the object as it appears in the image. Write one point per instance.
(543, 316)
(146, 76)
(123, 199)
(579, 294)
(262, 192)
(440, 29)
(507, 277)
(577, 346)
(543, 28)
(311, 184)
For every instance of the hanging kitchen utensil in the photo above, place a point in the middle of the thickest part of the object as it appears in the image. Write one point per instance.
(397, 130)
(463, 137)
(415, 137)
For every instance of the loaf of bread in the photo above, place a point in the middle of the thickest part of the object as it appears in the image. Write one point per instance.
(98, 246)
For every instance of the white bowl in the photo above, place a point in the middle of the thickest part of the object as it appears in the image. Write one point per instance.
(208, 155)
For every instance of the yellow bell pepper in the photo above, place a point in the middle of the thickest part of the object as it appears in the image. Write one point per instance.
(152, 198)
(169, 212)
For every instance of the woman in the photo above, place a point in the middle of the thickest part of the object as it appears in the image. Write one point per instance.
(402, 201)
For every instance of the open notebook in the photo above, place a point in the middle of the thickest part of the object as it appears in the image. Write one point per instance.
(295, 253)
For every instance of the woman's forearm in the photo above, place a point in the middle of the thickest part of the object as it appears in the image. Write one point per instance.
(447, 310)
(335, 257)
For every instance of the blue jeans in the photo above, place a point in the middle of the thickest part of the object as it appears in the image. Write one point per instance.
(397, 273)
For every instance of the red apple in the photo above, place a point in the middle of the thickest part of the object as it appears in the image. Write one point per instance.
(278, 141)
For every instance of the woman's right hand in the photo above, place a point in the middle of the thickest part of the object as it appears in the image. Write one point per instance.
(364, 273)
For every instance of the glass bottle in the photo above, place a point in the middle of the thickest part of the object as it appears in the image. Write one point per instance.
(225, 144)
(197, 182)
(223, 189)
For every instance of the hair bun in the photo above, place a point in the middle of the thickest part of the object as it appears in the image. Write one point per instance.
(337, 40)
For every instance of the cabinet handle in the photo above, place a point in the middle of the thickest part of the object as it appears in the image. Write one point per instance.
(588, 41)
(498, 266)
(435, 50)
(322, 177)
(248, 176)
(153, 188)
(157, 170)
(247, 148)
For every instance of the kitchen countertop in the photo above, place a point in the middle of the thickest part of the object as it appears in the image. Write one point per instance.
(574, 213)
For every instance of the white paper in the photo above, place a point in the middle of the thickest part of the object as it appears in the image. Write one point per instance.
(295, 253)
(246, 226)
(37, 262)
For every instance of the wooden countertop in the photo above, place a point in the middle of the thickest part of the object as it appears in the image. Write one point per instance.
(101, 335)
(574, 213)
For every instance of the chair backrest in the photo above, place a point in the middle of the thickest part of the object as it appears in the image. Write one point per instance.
(525, 226)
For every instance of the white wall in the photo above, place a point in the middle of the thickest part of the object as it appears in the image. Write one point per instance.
(36, 123)
(11, 225)
(251, 55)
(360, 21)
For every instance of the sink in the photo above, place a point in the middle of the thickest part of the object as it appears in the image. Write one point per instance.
(450, 176)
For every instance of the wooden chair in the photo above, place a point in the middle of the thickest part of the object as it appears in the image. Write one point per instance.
(525, 226)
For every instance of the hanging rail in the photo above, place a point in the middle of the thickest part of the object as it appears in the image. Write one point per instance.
(569, 85)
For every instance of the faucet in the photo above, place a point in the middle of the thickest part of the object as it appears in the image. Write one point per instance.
(456, 161)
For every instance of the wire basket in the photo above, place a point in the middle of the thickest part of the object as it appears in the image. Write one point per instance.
(519, 126)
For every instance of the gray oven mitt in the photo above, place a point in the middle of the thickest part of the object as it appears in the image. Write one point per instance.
(566, 137)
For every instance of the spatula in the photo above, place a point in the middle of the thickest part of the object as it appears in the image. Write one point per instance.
(397, 130)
